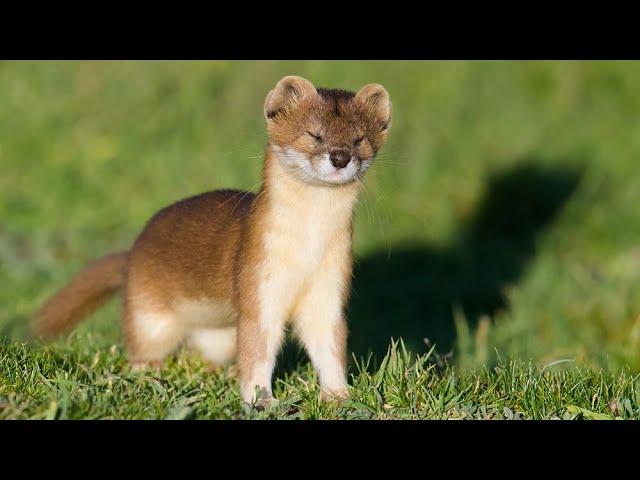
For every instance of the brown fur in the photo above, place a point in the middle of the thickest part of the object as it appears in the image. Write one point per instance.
(219, 253)
(87, 291)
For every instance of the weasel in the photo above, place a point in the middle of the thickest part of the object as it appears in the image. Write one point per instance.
(224, 272)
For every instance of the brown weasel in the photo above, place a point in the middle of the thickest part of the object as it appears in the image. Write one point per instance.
(225, 271)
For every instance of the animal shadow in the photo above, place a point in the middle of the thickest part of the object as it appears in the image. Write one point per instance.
(410, 292)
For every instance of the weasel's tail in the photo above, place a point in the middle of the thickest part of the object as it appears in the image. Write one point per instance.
(88, 290)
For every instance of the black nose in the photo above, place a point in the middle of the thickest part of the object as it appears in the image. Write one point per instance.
(339, 158)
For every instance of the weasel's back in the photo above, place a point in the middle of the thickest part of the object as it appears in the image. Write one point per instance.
(192, 243)
(218, 204)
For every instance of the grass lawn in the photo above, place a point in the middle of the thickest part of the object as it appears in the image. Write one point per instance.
(500, 223)
(75, 380)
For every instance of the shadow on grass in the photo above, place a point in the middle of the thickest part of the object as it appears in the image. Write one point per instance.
(410, 291)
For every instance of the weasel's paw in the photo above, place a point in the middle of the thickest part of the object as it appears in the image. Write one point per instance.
(338, 395)
(265, 403)
(261, 399)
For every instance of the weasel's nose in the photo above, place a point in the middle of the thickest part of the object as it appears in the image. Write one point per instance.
(340, 158)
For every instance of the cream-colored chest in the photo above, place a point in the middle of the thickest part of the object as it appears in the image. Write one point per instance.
(301, 233)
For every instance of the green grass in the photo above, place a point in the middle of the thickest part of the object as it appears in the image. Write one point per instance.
(500, 223)
(69, 381)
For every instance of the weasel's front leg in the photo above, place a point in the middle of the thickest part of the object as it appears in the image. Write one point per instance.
(323, 331)
(321, 326)
(259, 338)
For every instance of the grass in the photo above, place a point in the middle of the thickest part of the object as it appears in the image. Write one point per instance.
(500, 223)
(71, 382)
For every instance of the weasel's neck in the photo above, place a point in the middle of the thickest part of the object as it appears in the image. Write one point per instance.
(302, 202)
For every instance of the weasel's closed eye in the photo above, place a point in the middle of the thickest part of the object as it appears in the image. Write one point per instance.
(317, 137)
(359, 140)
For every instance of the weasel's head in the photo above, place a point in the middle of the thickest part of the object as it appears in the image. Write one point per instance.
(326, 137)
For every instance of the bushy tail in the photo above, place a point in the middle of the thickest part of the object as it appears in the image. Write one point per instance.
(88, 290)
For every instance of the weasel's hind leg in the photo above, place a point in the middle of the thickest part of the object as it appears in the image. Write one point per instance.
(150, 335)
(216, 345)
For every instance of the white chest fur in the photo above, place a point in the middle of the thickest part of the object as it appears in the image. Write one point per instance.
(302, 225)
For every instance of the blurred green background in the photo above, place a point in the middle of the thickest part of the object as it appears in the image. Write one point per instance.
(501, 218)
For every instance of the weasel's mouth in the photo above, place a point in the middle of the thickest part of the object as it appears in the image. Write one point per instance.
(338, 176)
(328, 173)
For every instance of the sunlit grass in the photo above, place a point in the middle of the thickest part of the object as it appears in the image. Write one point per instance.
(76, 380)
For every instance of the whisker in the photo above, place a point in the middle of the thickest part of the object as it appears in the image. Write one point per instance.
(371, 207)
(367, 199)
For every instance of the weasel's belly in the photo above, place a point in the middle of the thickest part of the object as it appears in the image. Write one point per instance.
(205, 312)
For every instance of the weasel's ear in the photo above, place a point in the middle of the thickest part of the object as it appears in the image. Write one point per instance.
(286, 94)
(377, 102)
